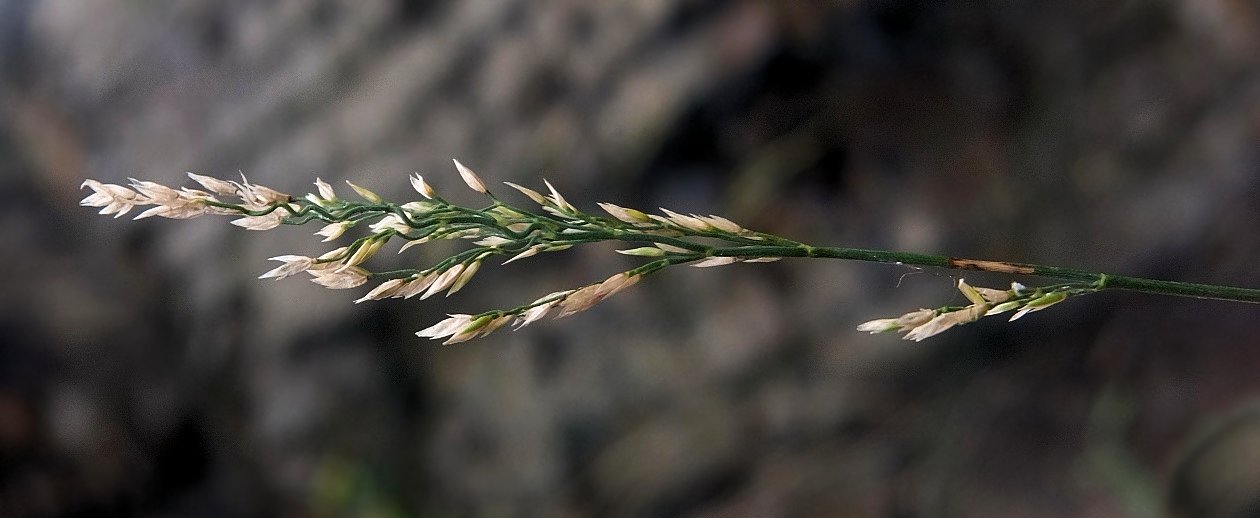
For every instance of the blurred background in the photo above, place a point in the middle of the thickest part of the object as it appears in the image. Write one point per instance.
(145, 371)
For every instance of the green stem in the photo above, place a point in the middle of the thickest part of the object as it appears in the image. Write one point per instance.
(1101, 280)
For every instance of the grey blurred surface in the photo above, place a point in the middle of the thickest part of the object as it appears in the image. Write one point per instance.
(144, 371)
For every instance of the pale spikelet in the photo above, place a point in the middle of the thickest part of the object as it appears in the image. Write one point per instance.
(255, 195)
(539, 311)
(945, 321)
(333, 231)
(916, 318)
(493, 325)
(446, 327)
(558, 200)
(763, 259)
(994, 296)
(419, 207)
(178, 209)
(533, 314)
(580, 300)
(723, 224)
(390, 222)
(173, 204)
(157, 210)
(672, 249)
(339, 279)
(1004, 307)
(529, 252)
(384, 290)
(714, 261)
(443, 281)
(326, 259)
(970, 292)
(904, 322)
(616, 283)
(479, 326)
(292, 265)
(881, 325)
(364, 193)
(114, 199)
(265, 222)
(364, 252)
(645, 251)
(933, 327)
(461, 327)
(415, 285)
(326, 192)
(214, 185)
(493, 241)
(624, 214)
(414, 242)
(269, 195)
(532, 194)
(474, 182)
(1039, 304)
(464, 277)
(155, 192)
(588, 296)
(687, 222)
(421, 186)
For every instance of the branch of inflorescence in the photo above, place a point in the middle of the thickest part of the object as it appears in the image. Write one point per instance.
(505, 230)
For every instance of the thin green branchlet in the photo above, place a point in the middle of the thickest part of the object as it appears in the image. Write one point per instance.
(505, 231)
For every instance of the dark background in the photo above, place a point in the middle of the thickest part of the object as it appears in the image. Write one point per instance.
(145, 371)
